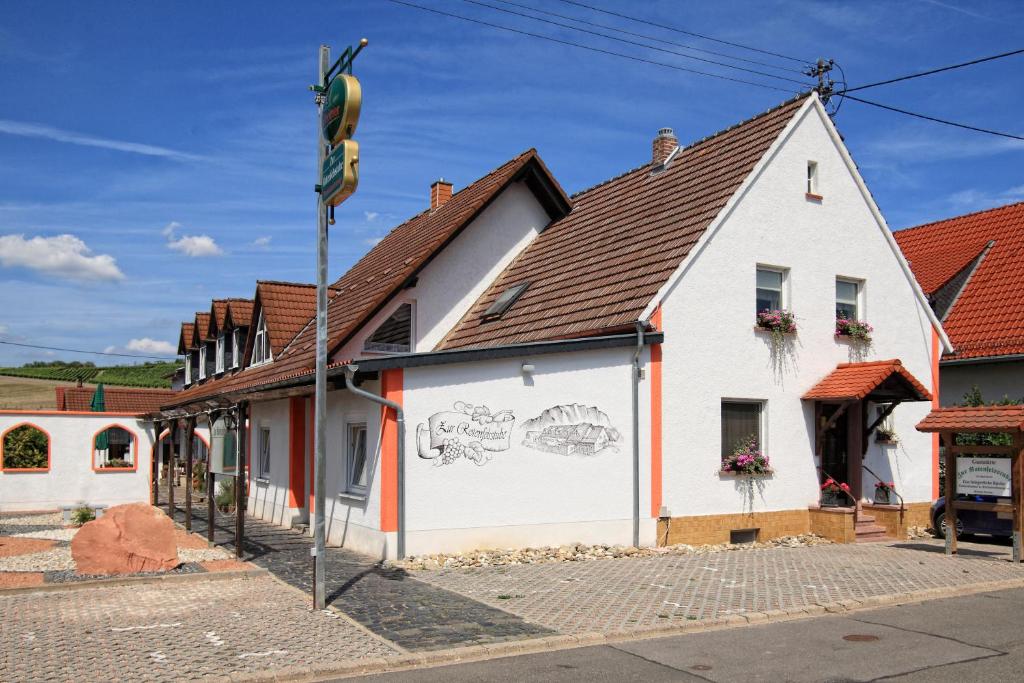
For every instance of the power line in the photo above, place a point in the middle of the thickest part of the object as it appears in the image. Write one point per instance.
(934, 71)
(685, 32)
(658, 40)
(95, 353)
(633, 42)
(588, 47)
(932, 118)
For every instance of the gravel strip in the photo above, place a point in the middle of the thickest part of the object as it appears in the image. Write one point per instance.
(70, 576)
(55, 559)
(203, 555)
(51, 534)
(580, 553)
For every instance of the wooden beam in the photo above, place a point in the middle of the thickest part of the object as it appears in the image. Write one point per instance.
(1016, 481)
(190, 426)
(949, 438)
(211, 486)
(983, 507)
(985, 450)
(879, 420)
(171, 464)
(855, 445)
(157, 461)
(240, 479)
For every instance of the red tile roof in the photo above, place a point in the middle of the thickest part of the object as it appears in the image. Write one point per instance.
(986, 319)
(217, 312)
(287, 307)
(974, 419)
(382, 272)
(597, 269)
(185, 340)
(201, 329)
(855, 381)
(240, 311)
(116, 399)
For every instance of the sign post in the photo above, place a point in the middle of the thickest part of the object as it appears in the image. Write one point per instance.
(338, 100)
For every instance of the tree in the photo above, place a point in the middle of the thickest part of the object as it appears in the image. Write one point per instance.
(25, 447)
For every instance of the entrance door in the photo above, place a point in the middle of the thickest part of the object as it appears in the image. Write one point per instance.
(835, 447)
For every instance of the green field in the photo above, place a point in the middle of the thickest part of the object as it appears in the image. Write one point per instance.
(144, 375)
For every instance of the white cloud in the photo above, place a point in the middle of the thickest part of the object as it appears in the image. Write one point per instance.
(110, 349)
(147, 345)
(195, 246)
(262, 242)
(37, 130)
(371, 215)
(3, 329)
(64, 256)
(372, 241)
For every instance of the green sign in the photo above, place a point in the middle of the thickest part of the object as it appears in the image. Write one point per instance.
(339, 174)
(341, 110)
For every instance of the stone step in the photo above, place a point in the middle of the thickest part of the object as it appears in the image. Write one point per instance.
(873, 537)
(869, 532)
(864, 517)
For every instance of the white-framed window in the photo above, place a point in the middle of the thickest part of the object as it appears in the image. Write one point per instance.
(188, 368)
(770, 293)
(220, 353)
(263, 462)
(202, 362)
(261, 343)
(848, 294)
(113, 449)
(812, 178)
(741, 421)
(236, 351)
(355, 458)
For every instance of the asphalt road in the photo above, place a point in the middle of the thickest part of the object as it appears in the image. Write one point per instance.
(969, 638)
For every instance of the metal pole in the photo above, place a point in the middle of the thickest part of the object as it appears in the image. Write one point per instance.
(240, 502)
(190, 427)
(320, 457)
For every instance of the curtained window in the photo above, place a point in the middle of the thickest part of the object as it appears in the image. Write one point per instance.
(740, 421)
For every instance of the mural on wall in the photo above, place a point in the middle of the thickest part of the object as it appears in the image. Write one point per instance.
(466, 431)
(572, 430)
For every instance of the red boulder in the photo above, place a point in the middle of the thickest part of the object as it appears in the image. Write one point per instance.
(127, 539)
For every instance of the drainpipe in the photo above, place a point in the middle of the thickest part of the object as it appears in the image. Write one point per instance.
(350, 373)
(636, 432)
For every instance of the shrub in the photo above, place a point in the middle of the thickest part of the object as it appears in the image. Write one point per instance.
(82, 515)
(25, 447)
(225, 498)
(199, 477)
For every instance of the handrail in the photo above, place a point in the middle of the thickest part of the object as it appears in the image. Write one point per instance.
(902, 506)
(848, 494)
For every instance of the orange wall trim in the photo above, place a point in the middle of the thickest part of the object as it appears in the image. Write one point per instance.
(936, 353)
(135, 452)
(311, 412)
(49, 450)
(391, 388)
(296, 451)
(656, 414)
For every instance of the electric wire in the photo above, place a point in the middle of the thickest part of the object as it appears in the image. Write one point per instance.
(633, 42)
(95, 353)
(589, 47)
(654, 38)
(935, 71)
(931, 118)
(685, 32)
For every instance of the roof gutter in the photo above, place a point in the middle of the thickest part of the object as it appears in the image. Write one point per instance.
(981, 360)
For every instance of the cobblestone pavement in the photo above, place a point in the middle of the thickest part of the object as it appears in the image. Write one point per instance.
(619, 594)
(416, 615)
(162, 632)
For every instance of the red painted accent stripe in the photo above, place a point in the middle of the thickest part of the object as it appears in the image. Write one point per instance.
(296, 451)
(656, 416)
(936, 353)
(391, 382)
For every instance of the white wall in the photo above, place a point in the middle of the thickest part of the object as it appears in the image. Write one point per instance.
(712, 352)
(268, 495)
(522, 496)
(456, 278)
(71, 479)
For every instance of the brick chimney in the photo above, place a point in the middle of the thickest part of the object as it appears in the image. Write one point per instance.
(440, 192)
(664, 144)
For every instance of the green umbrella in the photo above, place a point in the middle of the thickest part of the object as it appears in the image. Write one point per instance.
(99, 405)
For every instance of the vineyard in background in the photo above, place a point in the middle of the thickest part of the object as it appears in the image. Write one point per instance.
(144, 375)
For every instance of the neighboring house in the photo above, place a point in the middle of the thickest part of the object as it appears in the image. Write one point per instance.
(73, 455)
(579, 369)
(972, 271)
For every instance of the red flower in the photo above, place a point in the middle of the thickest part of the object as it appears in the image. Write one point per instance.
(845, 487)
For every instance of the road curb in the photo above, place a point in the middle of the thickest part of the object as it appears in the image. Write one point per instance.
(135, 581)
(476, 653)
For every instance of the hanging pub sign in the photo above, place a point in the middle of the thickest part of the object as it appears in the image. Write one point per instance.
(339, 174)
(223, 454)
(341, 110)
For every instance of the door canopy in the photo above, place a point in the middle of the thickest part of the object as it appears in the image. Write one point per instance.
(882, 381)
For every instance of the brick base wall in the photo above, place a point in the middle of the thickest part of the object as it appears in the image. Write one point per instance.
(714, 529)
(835, 524)
(914, 514)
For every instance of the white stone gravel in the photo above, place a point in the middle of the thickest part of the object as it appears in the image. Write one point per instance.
(203, 554)
(54, 559)
(579, 553)
(51, 534)
(39, 519)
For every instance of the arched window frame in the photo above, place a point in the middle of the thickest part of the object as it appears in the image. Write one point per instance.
(49, 450)
(135, 451)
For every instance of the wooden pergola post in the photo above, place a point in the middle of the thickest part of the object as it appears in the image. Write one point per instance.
(1016, 480)
(190, 425)
(172, 463)
(211, 481)
(240, 500)
(157, 461)
(949, 438)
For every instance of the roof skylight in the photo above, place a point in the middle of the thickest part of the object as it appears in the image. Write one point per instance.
(505, 301)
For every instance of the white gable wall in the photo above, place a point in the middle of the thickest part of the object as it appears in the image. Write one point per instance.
(455, 279)
(712, 351)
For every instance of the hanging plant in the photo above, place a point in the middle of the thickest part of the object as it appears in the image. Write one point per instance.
(886, 435)
(857, 330)
(747, 458)
(776, 321)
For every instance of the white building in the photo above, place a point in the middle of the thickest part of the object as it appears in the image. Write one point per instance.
(579, 369)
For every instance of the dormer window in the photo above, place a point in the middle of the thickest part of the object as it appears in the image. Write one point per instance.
(235, 350)
(504, 301)
(202, 362)
(188, 368)
(394, 335)
(261, 343)
(220, 354)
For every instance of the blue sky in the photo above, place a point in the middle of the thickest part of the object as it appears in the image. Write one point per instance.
(156, 155)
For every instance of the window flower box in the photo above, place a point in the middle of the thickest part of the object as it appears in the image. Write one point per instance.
(886, 436)
(856, 330)
(776, 321)
(884, 493)
(747, 459)
(834, 494)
